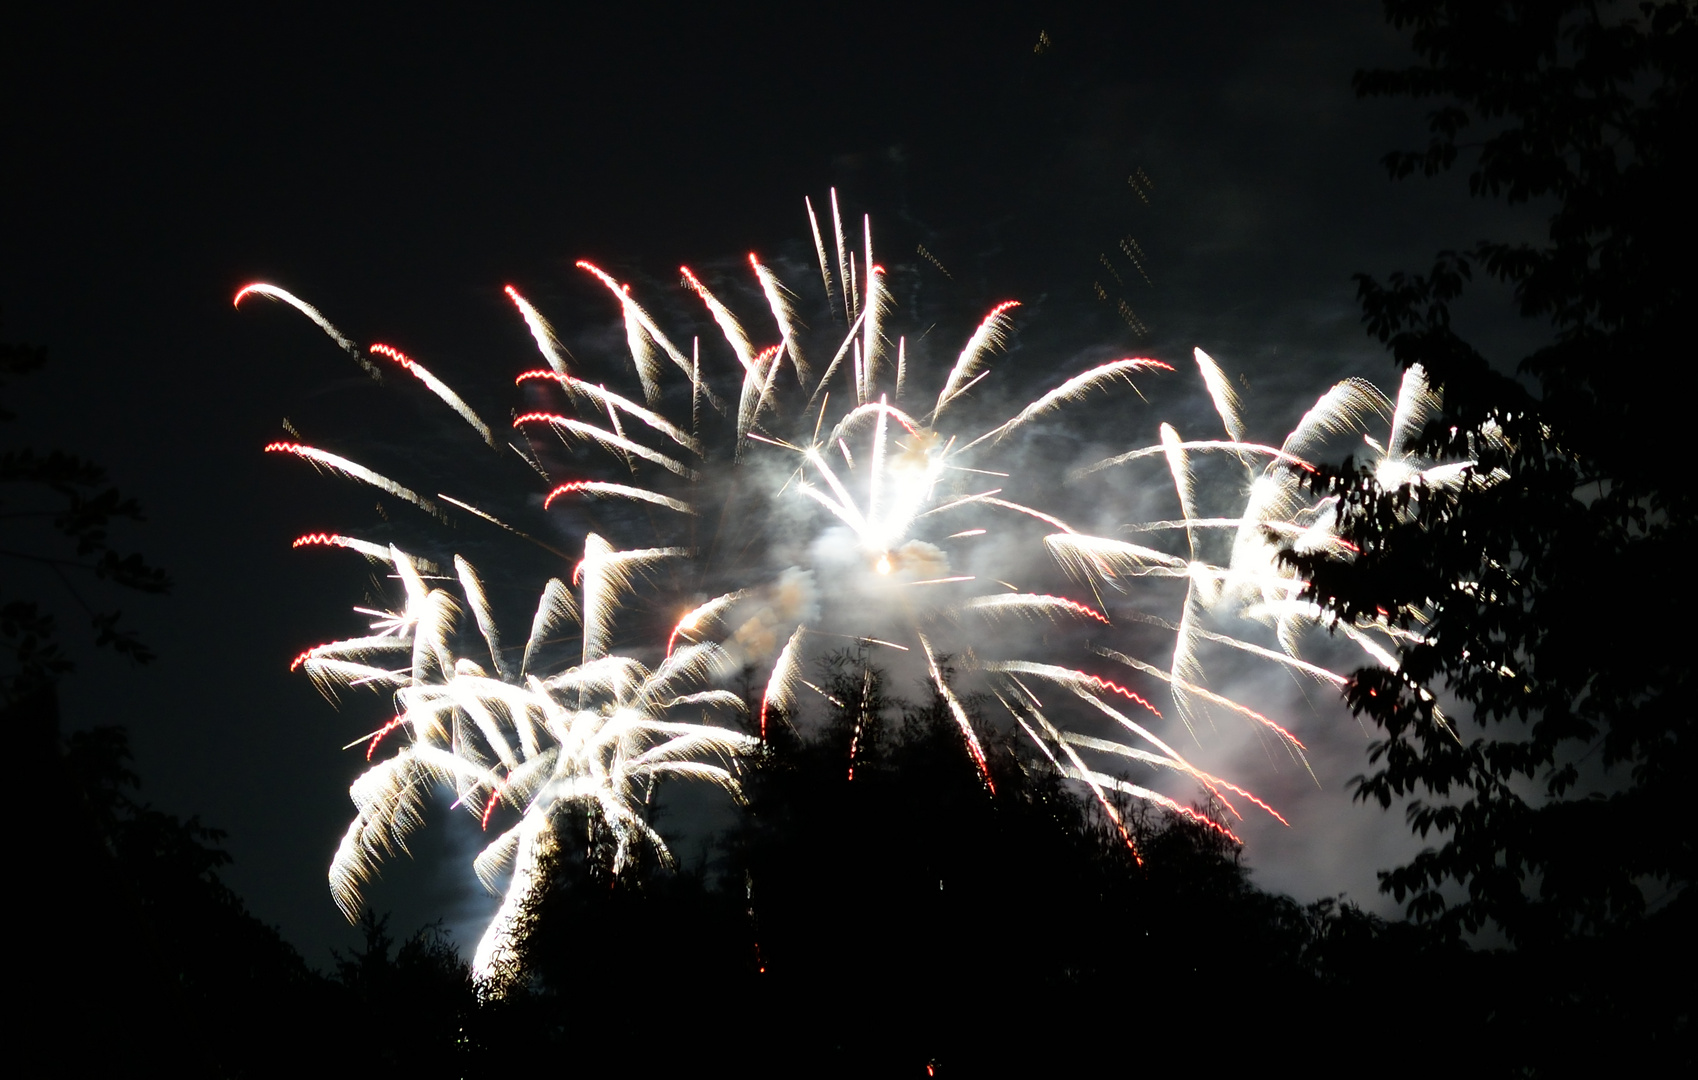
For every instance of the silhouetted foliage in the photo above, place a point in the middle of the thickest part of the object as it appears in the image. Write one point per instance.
(1548, 584)
(190, 979)
(130, 928)
(147, 947)
(71, 493)
(414, 1006)
(1550, 578)
(870, 925)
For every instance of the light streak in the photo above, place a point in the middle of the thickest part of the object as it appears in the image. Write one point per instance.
(701, 616)
(1072, 678)
(847, 283)
(498, 523)
(1077, 770)
(784, 314)
(272, 292)
(547, 342)
(1221, 393)
(959, 713)
(819, 247)
(364, 547)
(1204, 692)
(439, 388)
(992, 333)
(606, 438)
(1033, 604)
(1073, 390)
(786, 670)
(353, 471)
(489, 807)
(603, 396)
(619, 491)
(1047, 519)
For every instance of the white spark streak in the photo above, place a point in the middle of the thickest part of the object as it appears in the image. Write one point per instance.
(354, 471)
(260, 288)
(440, 389)
(992, 333)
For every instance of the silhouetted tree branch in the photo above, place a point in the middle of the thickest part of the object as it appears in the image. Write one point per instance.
(74, 494)
(1542, 590)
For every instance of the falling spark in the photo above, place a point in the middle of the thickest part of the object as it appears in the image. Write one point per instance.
(1031, 604)
(959, 713)
(353, 471)
(260, 288)
(1073, 390)
(780, 688)
(439, 388)
(992, 333)
(364, 547)
(617, 491)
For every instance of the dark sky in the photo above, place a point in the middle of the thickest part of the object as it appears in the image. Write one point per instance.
(397, 168)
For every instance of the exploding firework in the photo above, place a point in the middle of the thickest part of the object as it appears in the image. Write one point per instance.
(596, 734)
(776, 500)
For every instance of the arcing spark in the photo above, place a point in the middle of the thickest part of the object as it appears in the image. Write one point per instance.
(1072, 390)
(960, 714)
(992, 333)
(439, 388)
(272, 292)
(354, 471)
(617, 491)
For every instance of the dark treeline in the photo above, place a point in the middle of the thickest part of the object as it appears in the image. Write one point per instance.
(902, 919)
(900, 915)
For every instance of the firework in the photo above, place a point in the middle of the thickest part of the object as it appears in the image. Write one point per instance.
(800, 503)
(1278, 513)
(596, 734)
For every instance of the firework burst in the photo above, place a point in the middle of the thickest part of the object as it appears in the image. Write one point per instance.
(776, 499)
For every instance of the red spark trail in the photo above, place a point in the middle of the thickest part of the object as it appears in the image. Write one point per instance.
(537, 417)
(564, 489)
(371, 747)
(1074, 605)
(1238, 790)
(489, 807)
(1205, 820)
(1118, 689)
(394, 354)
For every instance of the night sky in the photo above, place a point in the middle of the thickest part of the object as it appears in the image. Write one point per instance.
(398, 168)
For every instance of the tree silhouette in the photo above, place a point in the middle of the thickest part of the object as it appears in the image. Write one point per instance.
(131, 934)
(905, 916)
(72, 495)
(416, 1004)
(197, 982)
(1545, 588)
